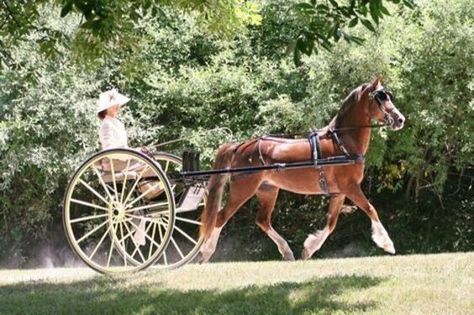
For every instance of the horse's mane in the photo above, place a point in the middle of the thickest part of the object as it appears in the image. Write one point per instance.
(352, 99)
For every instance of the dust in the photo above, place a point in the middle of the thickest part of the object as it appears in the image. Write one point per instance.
(350, 250)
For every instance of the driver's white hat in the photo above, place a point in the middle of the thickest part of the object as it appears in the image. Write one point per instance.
(110, 98)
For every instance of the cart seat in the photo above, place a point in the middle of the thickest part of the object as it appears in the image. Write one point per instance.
(119, 176)
(133, 171)
(148, 185)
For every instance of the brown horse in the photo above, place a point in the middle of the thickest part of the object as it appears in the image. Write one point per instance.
(352, 127)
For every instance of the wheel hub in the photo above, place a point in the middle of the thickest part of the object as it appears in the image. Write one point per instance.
(118, 212)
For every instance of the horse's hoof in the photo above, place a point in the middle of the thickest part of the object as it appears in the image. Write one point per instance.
(200, 258)
(288, 256)
(305, 254)
(389, 248)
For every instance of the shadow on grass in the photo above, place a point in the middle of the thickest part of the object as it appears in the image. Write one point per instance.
(116, 296)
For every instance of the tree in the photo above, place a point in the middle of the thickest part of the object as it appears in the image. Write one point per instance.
(315, 24)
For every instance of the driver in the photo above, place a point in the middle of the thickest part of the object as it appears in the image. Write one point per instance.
(113, 135)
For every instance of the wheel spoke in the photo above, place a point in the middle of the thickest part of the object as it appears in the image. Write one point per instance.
(147, 219)
(167, 165)
(85, 203)
(124, 181)
(100, 242)
(136, 247)
(182, 233)
(186, 235)
(135, 184)
(155, 205)
(93, 191)
(90, 217)
(143, 195)
(151, 240)
(146, 231)
(91, 232)
(180, 210)
(161, 238)
(153, 237)
(177, 248)
(112, 169)
(188, 220)
(123, 245)
(102, 182)
(126, 235)
(111, 245)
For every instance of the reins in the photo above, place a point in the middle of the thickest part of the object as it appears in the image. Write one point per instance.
(289, 135)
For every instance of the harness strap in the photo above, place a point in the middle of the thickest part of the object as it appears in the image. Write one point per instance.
(315, 146)
(338, 142)
(260, 155)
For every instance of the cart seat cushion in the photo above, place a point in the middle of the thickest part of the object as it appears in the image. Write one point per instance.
(119, 176)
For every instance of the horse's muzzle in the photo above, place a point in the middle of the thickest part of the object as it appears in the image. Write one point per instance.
(395, 119)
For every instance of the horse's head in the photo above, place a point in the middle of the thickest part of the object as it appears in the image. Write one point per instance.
(381, 105)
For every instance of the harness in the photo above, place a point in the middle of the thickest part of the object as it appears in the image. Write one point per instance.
(315, 146)
(338, 142)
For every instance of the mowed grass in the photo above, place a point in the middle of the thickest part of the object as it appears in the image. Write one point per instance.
(420, 284)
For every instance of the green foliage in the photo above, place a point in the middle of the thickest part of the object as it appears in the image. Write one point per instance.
(48, 127)
(210, 90)
(107, 25)
(323, 24)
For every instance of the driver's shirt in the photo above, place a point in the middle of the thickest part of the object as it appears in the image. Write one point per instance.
(112, 134)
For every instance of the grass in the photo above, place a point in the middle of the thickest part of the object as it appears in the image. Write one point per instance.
(420, 284)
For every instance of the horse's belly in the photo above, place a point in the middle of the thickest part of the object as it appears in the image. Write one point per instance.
(301, 181)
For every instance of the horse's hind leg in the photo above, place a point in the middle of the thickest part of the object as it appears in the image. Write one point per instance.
(314, 241)
(267, 196)
(379, 234)
(239, 192)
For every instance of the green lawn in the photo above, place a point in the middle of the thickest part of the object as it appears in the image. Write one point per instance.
(421, 284)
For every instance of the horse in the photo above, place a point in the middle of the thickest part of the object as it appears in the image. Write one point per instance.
(348, 133)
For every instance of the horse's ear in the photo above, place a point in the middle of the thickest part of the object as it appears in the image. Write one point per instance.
(375, 83)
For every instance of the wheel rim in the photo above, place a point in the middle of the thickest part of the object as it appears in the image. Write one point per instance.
(185, 241)
(108, 221)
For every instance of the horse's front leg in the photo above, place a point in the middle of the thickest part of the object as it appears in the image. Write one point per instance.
(379, 234)
(314, 241)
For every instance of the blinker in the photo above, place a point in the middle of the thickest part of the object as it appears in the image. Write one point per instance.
(382, 95)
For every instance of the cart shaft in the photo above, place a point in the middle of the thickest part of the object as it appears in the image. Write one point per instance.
(331, 161)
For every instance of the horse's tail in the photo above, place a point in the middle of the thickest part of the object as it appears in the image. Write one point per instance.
(215, 189)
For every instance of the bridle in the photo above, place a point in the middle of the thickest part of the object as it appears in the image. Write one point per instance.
(381, 95)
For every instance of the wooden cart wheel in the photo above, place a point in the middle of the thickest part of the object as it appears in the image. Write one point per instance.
(185, 241)
(108, 219)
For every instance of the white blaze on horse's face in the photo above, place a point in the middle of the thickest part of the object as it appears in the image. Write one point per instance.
(391, 115)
